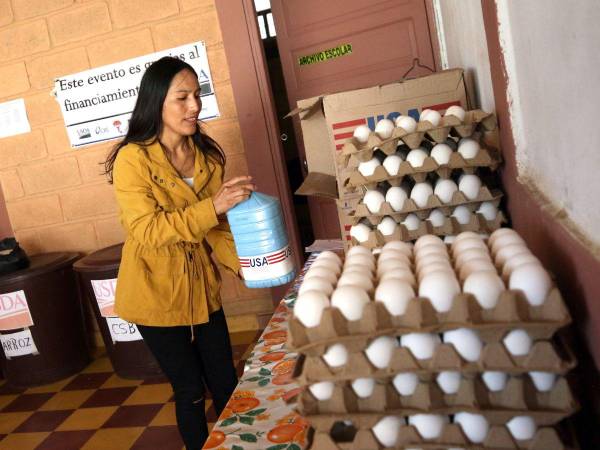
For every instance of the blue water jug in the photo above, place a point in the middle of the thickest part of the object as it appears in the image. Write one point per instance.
(261, 241)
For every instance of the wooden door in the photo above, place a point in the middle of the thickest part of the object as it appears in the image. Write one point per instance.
(385, 37)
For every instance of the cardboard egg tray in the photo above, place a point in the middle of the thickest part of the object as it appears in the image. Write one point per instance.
(519, 396)
(360, 437)
(484, 195)
(486, 157)
(544, 356)
(473, 120)
(451, 227)
(512, 311)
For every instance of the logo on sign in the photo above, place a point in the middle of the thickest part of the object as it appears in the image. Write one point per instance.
(14, 311)
(84, 133)
(261, 261)
(104, 291)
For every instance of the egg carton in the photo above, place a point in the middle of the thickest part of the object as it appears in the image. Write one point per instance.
(519, 396)
(458, 198)
(362, 438)
(544, 356)
(486, 157)
(451, 227)
(473, 120)
(512, 311)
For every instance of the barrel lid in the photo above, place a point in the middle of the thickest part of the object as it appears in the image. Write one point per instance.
(40, 264)
(256, 202)
(108, 258)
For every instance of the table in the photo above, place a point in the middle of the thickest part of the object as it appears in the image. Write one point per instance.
(257, 415)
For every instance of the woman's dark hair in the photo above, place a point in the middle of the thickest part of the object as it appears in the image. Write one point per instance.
(146, 120)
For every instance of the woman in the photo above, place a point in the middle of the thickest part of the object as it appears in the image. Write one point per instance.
(168, 178)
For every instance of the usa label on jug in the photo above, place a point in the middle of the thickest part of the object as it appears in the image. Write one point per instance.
(267, 265)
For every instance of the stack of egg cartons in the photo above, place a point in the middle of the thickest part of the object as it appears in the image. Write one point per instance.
(433, 346)
(420, 178)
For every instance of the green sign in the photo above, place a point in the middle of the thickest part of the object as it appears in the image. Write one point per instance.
(335, 52)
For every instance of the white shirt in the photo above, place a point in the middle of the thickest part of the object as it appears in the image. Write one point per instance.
(189, 181)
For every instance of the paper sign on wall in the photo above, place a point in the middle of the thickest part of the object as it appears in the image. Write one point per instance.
(104, 291)
(18, 344)
(13, 118)
(122, 331)
(14, 311)
(96, 104)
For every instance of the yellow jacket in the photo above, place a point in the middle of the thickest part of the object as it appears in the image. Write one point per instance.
(166, 276)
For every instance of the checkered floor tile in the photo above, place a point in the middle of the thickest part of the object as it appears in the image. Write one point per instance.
(97, 410)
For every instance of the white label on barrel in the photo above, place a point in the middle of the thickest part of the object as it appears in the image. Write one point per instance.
(14, 311)
(268, 265)
(122, 331)
(18, 344)
(104, 291)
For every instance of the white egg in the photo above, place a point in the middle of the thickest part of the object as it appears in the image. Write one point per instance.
(435, 268)
(406, 383)
(432, 116)
(462, 214)
(429, 426)
(460, 246)
(474, 266)
(327, 264)
(399, 273)
(449, 239)
(504, 233)
(387, 226)
(436, 217)
(522, 428)
(407, 123)
(336, 355)
(466, 342)
(309, 307)
(322, 390)
(469, 185)
(411, 222)
(363, 387)
(401, 246)
(488, 210)
(392, 163)
(440, 288)
(486, 287)
(373, 199)
(509, 251)
(543, 381)
(518, 342)
(421, 345)
(328, 255)
(398, 258)
(420, 193)
(361, 133)
(380, 351)
(365, 260)
(475, 426)
(466, 235)
(445, 189)
(429, 255)
(356, 278)
(321, 272)
(367, 168)
(429, 239)
(505, 241)
(387, 429)
(456, 111)
(533, 280)
(468, 148)
(360, 232)
(495, 381)
(516, 261)
(316, 284)
(441, 153)
(469, 254)
(384, 128)
(449, 381)
(358, 249)
(396, 196)
(350, 300)
(395, 295)
(416, 157)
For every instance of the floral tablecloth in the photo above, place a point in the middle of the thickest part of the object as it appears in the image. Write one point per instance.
(257, 415)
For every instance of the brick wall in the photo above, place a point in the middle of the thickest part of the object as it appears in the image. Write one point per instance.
(55, 196)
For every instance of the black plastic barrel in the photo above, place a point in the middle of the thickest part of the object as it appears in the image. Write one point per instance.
(45, 339)
(127, 352)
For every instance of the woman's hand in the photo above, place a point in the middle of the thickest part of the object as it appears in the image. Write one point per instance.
(232, 192)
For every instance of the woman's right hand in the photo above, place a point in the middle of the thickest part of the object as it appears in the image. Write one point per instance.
(232, 192)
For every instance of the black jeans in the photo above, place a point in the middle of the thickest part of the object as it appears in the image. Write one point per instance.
(190, 365)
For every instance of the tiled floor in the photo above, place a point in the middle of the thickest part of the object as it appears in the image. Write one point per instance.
(96, 409)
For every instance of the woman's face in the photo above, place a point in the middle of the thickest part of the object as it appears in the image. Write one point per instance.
(182, 106)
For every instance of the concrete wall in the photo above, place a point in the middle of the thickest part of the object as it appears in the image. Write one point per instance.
(56, 197)
(463, 44)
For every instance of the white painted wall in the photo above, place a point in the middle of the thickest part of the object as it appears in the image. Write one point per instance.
(463, 44)
(552, 54)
